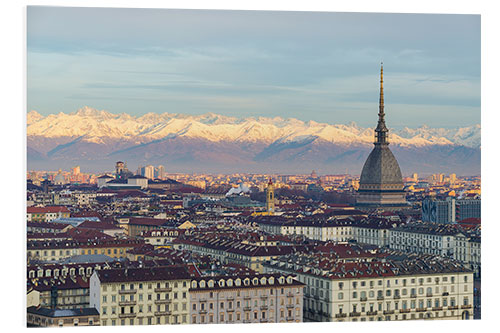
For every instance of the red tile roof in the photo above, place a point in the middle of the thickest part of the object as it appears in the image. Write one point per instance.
(48, 209)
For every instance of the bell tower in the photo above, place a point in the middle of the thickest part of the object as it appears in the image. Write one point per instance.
(270, 197)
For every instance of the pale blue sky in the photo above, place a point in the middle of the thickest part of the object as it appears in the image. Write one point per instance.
(306, 65)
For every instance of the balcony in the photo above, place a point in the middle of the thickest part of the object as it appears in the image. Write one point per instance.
(354, 314)
(446, 293)
(397, 297)
(421, 309)
(247, 321)
(429, 295)
(263, 296)
(290, 306)
(247, 308)
(230, 310)
(316, 297)
(380, 298)
(468, 306)
(163, 301)
(247, 297)
(163, 290)
(125, 303)
(437, 308)
(341, 315)
(413, 295)
(230, 298)
(290, 319)
(453, 307)
(371, 313)
(263, 320)
(127, 315)
(388, 312)
(289, 294)
(203, 311)
(127, 292)
(263, 307)
(404, 310)
(163, 313)
(363, 299)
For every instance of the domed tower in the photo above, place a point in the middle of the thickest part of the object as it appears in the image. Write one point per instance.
(381, 183)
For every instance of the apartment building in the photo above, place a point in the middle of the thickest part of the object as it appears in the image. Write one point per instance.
(396, 287)
(448, 240)
(62, 293)
(264, 298)
(46, 214)
(54, 250)
(141, 296)
(230, 250)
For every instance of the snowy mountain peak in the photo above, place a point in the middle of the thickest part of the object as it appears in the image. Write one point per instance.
(96, 125)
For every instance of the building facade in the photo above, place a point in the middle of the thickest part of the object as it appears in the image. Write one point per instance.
(264, 298)
(381, 290)
(141, 296)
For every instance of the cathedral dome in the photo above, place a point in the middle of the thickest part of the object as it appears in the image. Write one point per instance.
(381, 167)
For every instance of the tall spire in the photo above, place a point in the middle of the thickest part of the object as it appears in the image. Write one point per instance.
(381, 130)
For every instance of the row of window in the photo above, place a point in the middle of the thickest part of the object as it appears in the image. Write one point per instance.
(404, 305)
(141, 286)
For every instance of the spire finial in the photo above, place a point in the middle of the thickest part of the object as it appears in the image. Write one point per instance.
(381, 130)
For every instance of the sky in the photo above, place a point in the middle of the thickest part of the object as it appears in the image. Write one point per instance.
(321, 66)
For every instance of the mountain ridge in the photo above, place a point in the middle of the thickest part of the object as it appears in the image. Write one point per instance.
(210, 142)
(92, 124)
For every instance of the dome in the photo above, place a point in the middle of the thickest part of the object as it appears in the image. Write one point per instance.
(381, 168)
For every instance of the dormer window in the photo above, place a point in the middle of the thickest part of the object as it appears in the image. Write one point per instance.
(246, 282)
(281, 280)
(210, 283)
(255, 281)
(271, 280)
(237, 282)
(221, 283)
(230, 283)
(202, 284)
(263, 281)
(194, 284)
(289, 280)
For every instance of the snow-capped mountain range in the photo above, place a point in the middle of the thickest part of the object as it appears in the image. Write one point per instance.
(95, 125)
(95, 138)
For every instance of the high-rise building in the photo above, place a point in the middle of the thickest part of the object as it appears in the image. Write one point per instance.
(438, 211)
(75, 171)
(161, 172)
(453, 178)
(415, 177)
(149, 172)
(467, 208)
(381, 183)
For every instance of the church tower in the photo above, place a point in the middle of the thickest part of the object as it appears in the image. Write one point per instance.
(270, 197)
(381, 184)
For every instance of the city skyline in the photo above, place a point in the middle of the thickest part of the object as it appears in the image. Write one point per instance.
(310, 66)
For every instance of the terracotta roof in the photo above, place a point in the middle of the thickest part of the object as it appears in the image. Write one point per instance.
(47, 209)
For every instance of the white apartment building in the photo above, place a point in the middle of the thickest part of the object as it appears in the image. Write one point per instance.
(378, 290)
(341, 230)
(443, 240)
